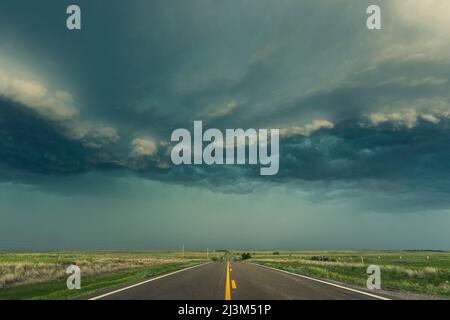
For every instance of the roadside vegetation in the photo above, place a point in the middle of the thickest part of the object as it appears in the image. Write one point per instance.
(246, 256)
(42, 275)
(426, 273)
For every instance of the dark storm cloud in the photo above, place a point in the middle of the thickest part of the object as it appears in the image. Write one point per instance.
(150, 68)
(86, 118)
(31, 144)
(409, 158)
(350, 152)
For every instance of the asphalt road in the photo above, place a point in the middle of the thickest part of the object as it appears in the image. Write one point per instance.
(233, 281)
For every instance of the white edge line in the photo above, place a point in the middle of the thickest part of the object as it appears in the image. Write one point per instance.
(146, 281)
(326, 282)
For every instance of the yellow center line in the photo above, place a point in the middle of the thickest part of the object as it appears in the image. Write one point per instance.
(227, 284)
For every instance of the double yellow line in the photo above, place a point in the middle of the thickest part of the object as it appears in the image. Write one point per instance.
(227, 284)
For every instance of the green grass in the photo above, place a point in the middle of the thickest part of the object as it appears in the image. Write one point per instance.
(72, 256)
(405, 271)
(57, 289)
(426, 273)
(42, 275)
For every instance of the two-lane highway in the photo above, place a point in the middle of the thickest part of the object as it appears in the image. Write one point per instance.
(234, 281)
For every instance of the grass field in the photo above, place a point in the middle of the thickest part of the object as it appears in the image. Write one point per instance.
(42, 275)
(420, 272)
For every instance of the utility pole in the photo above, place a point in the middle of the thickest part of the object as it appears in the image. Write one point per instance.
(183, 250)
(207, 253)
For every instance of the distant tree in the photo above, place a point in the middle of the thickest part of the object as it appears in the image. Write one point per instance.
(246, 255)
(276, 253)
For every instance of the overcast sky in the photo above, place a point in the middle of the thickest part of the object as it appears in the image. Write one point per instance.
(86, 118)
